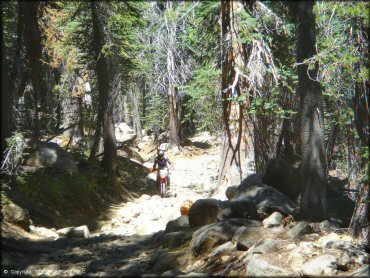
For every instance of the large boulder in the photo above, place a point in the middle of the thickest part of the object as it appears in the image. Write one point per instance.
(251, 180)
(48, 154)
(211, 235)
(324, 265)
(44, 232)
(267, 199)
(203, 212)
(237, 209)
(281, 175)
(124, 133)
(16, 215)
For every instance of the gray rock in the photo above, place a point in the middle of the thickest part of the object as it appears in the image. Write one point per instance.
(273, 220)
(176, 239)
(48, 154)
(75, 232)
(321, 265)
(17, 216)
(246, 237)
(260, 267)
(300, 229)
(265, 246)
(282, 176)
(179, 224)
(203, 212)
(211, 235)
(124, 132)
(249, 181)
(268, 199)
(44, 232)
(237, 209)
(324, 226)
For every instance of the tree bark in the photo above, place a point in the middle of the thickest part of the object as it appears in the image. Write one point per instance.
(104, 76)
(174, 121)
(313, 194)
(232, 58)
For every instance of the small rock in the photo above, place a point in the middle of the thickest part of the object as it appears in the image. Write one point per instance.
(324, 226)
(75, 232)
(273, 220)
(179, 224)
(311, 237)
(321, 265)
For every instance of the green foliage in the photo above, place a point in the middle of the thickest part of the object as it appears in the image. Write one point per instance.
(202, 91)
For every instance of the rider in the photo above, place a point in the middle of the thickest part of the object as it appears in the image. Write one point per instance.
(163, 163)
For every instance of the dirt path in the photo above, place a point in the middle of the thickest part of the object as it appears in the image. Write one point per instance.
(192, 178)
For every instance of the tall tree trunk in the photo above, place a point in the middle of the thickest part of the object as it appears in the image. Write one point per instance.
(232, 57)
(32, 40)
(126, 113)
(174, 121)
(313, 194)
(143, 102)
(103, 73)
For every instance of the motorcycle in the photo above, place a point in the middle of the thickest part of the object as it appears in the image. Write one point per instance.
(163, 179)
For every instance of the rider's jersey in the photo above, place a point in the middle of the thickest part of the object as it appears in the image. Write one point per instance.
(162, 163)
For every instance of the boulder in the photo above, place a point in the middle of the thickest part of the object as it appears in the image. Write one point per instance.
(203, 212)
(75, 232)
(48, 154)
(362, 272)
(282, 176)
(124, 132)
(179, 224)
(300, 229)
(268, 199)
(176, 239)
(16, 215)
(320, 266)
(151, 183)
(275, 219)
(44, 232)
(260, 267)
(246, 237)
(249, 181)
(211, 235)
(237, 209)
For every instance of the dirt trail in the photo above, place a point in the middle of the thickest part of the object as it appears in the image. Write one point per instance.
(192, 178)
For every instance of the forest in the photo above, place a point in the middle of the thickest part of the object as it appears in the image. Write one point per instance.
(91, 91)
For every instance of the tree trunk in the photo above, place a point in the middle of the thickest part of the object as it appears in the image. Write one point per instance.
(232, 57)
(103, 73)
(32, 40)
(313, 194)
(174, 121)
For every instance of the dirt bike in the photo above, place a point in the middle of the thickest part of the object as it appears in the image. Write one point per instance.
(163, 180)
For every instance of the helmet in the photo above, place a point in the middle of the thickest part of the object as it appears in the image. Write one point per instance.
(161, 153)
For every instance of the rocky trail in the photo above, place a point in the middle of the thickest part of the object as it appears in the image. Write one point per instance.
(250, 233)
